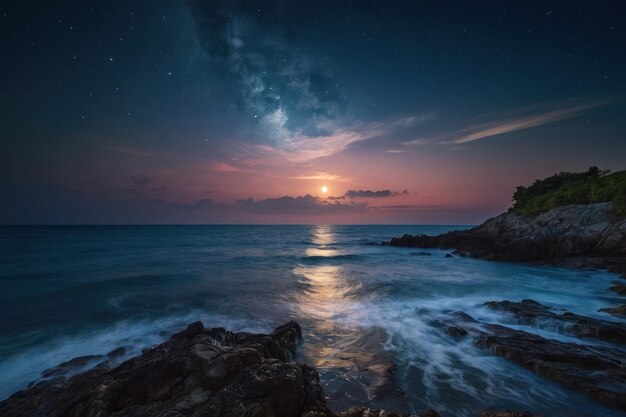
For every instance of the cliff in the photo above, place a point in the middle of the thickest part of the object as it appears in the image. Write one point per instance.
(593, 233)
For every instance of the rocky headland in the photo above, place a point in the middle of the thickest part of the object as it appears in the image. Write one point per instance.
(591, 235)
(583, 235)
(197, 372)
(580, 235)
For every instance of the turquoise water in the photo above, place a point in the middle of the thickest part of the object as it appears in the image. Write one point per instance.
(366, 310)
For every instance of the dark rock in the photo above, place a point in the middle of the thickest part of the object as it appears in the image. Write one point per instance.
(449, 255)
(371, 412)
(532, 313)
(619, 288)
(598, 371)
(576, 231)
(117, 353)
(457, 331)
(506, 414)
(72, 365)
(422, 253)
(616, 311)
(197, 372)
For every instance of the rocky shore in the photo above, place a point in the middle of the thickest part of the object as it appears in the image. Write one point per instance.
(197, 372)
(583, 236)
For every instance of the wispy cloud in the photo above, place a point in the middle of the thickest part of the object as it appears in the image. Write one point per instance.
(301, 149)
(321, 176)
(500, 123)
(224, 167)
(500, 127)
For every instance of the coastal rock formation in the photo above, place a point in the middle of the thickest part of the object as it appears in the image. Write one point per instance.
(532, 313)
(598, 371)
(583, 235)
(591, 231)
(198, 372)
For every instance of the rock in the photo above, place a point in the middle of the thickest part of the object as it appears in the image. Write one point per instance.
(449, 255)
(369, 412)
(616, 311)
(72, 365)
(457, 331)
(117, 353)
(575, 231)
(598, 371)
(619, 288)
(197, 372)
(422, 253)
(532, 313)
(506, 414)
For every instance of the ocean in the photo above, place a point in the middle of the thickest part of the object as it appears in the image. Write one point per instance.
(366, 310)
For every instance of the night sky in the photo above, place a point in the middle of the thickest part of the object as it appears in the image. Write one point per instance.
(239, 112)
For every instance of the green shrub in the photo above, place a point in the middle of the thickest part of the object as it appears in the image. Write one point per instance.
(591, 186)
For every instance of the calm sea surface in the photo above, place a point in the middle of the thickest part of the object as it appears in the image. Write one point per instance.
(365, 309)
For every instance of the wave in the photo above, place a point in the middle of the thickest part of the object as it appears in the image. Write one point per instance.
(345, 257)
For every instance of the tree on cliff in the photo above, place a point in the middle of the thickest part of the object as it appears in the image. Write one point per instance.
(592, 186)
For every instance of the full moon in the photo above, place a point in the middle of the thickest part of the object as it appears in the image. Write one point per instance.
(324, 189)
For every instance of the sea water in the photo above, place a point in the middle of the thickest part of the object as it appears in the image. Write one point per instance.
(367, 311)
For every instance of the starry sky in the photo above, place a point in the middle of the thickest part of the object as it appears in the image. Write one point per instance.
(226, 111)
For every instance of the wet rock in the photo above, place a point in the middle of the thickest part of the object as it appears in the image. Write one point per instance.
(616, 311)
(197, 372)
(532, 313)
(117, 353)
(619, 288)
(72, 365)
(575, 231)
(456, 331)
(506, 414)
(372, 412)
(598, 371)
(449, 255)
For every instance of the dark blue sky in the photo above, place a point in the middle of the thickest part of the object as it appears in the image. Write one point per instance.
(228, 111)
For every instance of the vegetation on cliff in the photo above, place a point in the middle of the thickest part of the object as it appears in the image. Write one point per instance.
(591, 186)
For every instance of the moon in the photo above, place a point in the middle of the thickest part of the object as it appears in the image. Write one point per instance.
(324, 189)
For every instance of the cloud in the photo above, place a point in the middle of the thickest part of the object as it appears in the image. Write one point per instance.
(321, 176)
(305, 148)
(500, 127)
(161, 189)
(500, 123)
(372, 194)
(304, 205)
(224, 167)
(140, 180)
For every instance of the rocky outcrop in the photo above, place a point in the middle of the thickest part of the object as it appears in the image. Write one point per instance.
(588, 236)
(532, 313)
(198, 372)
(598, 371)
(589, 231)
